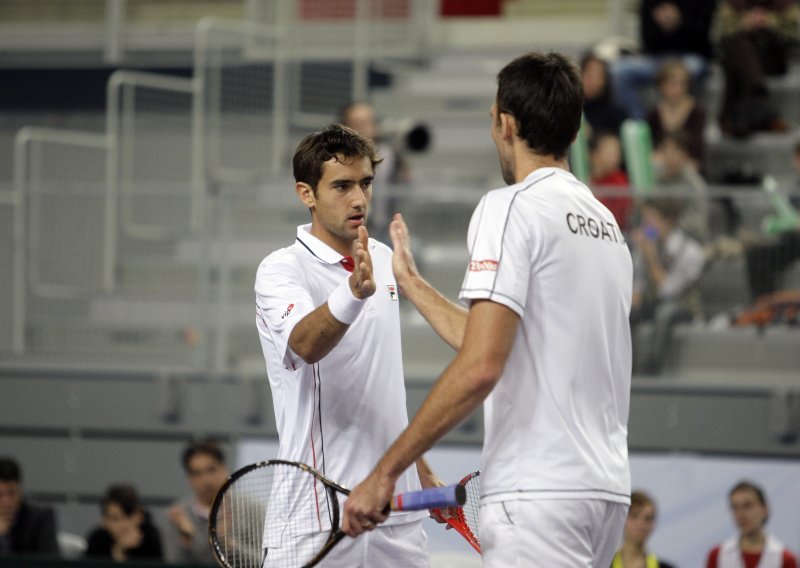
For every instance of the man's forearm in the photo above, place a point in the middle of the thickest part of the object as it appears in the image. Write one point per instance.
(316, 335)
(447, 318)
(427, 478)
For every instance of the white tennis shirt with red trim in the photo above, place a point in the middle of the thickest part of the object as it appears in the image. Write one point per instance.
(341, 414)
(556, 423)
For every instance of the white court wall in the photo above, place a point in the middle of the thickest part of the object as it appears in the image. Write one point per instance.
(691, 492)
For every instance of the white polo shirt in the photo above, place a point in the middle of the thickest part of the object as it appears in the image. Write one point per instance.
(341, 414)
(556, 423)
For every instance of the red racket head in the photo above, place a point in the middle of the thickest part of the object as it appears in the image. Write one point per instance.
(465, 519)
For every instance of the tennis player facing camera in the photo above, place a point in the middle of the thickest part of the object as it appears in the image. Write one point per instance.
(545, 344)
(329, 324)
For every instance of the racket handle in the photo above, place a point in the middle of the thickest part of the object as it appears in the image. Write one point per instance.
(449, 496)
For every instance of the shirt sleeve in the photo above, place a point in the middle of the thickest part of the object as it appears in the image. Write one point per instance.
(282, 300)
(500, 254)
(684, 272)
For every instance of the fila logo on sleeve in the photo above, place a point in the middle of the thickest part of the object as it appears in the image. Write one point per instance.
(483, 265)
(287, 312)
(392, 292)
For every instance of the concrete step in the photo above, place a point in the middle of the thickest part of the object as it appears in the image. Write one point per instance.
(699, 350)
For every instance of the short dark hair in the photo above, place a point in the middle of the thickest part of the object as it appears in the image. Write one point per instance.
(125, 496)
(9, 470)
(333, 142)
(208, 446)
(544, 94)
(746, 485)
(749, 486)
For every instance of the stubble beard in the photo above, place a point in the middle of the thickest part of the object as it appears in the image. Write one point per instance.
(507, 169)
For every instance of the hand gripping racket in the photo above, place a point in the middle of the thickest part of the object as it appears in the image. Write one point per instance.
(282, 514)
(465, 519)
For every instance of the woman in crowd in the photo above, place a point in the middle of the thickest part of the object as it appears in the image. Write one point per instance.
(753, 546)
(126, 532)
(602, 113)
(638, 527)
(677, 111)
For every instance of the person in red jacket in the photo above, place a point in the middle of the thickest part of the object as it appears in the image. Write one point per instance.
(753, 547)
(609, 181)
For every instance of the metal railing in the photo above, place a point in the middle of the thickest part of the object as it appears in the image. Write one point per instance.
(173, 150)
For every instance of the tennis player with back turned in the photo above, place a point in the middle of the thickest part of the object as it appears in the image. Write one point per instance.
(546, 345)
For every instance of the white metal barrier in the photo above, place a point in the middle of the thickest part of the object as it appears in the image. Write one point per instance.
(150, 162)
(12, 280)
(60, 175)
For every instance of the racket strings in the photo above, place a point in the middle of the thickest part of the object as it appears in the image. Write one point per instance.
(472, 507)
(277, 508)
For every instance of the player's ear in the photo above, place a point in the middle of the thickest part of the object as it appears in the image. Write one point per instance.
(305, 194)
(508, 126)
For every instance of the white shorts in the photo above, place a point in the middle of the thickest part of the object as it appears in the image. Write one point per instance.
(557, 533)
(390, 546)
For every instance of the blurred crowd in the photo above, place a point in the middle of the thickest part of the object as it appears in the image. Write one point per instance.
(651, 101)
(125, 529)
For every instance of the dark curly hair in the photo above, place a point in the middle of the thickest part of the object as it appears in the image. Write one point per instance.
(335, 142)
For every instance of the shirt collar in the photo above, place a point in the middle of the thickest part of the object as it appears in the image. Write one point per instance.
(541, 172)
(317, 247)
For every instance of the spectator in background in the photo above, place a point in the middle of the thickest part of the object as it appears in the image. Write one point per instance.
(126, 532)
(677, 177)
(638, 528)
(394, 170)
(608, 180)
(767, 261)
(602, 112)
(676, 29)
(752, 547)
(755, 41)
(677, 111)
(25, 529)
(667, 265)
(187, 532)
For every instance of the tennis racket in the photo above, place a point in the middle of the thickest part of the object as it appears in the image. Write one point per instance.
(282, 514)
(465, 519)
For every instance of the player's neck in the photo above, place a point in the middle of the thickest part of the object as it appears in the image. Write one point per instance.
(345, 248)
(527, 162)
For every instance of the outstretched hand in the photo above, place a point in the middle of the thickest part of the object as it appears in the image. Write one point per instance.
(362, 283)
(403, 264)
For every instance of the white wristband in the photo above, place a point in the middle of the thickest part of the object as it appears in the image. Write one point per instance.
(343, 305)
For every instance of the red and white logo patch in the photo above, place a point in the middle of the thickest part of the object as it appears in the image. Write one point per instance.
(483, 265)
(392, 292)
(288, 311)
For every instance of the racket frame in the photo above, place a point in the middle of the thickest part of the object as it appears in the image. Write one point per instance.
(459, 522)
(330, 486)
